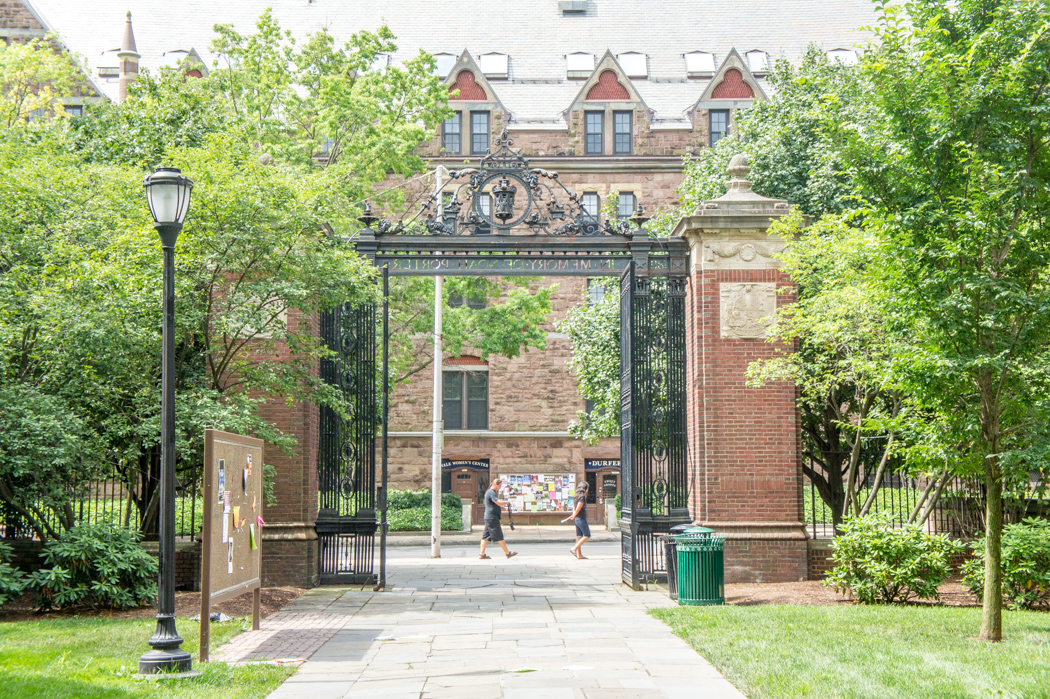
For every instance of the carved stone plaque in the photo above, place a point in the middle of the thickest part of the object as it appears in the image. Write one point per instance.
(746, 310)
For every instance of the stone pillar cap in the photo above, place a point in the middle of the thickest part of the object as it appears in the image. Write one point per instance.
(740, 200)
(127, 45)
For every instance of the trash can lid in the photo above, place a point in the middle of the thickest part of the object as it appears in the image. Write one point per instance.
(699, 530)
(679, 528)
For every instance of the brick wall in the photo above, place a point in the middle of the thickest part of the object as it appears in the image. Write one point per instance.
(15, 15)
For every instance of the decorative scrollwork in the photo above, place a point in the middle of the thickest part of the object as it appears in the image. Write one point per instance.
(504, 193)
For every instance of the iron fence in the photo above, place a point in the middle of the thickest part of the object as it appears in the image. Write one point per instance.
(958, 512)
(124, 495)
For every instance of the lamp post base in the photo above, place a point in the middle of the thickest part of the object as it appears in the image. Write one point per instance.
(167, 656)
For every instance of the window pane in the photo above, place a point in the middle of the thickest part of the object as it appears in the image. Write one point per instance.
(594, 132)
(626, 206)
(719, 124)
(592, 487)
(446, 481)
(484, 201)
(622, 133)
(452, 142)
(590, 203)
(479, 133)
(595, 293)
(478, 403)
(452, 406)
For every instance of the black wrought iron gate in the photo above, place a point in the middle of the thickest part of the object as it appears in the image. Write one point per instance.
(542, 237)
(653, 444)
(346, 465)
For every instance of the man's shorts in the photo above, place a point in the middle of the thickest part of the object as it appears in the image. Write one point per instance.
(582, 528)
(493, 531)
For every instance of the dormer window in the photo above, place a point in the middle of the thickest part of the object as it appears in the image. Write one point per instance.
(757, 62)
(444, 63)
(635, 65)
(847, 57)
(699, 64)
(579, 65)
(381, 62)
(494, 65)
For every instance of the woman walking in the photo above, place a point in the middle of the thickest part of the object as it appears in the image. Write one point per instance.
(579, 517)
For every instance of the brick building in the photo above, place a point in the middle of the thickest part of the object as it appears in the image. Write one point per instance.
(610, 94)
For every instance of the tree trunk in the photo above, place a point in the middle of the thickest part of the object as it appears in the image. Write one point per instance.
(992, 612)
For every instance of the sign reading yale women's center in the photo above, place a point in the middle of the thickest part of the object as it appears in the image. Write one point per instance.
(536, 226)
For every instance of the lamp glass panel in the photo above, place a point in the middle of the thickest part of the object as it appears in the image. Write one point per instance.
(165, 202)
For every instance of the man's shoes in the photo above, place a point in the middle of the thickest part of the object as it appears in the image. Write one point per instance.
(484, 557)
(511, 554)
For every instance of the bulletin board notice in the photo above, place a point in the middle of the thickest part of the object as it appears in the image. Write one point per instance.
(231, 553)
(541, 492)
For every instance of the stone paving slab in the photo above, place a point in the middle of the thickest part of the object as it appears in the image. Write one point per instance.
(541, 625)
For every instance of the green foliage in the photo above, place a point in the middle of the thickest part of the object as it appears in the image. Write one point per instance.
(99, 565)
(877, 562)
(594, 329)
(12, 581)
(409, 510)
(34, 75)
(1025, 565)
(786, 139)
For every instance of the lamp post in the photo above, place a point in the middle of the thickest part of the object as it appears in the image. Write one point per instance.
(168, 195)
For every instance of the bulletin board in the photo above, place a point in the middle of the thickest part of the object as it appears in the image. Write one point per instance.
(231, 551)
(540, 492)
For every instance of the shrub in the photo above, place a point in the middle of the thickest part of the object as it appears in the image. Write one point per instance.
(12, 580)
(99, 565)
(1025, 565)
(418, 519)
(412, 499)
(878, 562)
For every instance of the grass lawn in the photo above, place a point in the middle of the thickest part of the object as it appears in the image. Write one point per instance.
(92, 657)
(847, 651)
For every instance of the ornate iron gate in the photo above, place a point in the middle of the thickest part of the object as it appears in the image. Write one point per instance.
(652, 426)
(532, 226)
(346, 464)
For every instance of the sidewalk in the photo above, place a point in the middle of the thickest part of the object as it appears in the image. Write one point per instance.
(542, 624)
(522, 534)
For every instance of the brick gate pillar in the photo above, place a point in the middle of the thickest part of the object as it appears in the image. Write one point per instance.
(744, 443)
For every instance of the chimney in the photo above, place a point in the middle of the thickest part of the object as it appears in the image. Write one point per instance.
(129, 61)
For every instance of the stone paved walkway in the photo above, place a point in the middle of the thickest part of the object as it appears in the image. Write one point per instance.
(541, 625)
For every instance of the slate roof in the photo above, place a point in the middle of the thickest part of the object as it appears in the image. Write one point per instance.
(534, 33)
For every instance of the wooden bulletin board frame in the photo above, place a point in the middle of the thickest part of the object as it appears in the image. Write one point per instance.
(231, 551)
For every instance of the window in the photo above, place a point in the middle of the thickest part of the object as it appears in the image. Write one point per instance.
(470, 301)
(719, 125)
(446, 481)
(592, 487)
(634, 64)
(591, 204)
(37, 114)
(596, 291)
(579, 65)
(757, 61)
(847, 57)
(466, 400)
(479, 133)
(484, 201)
(594, 130)
(443, 63)
(622, 133)
(699, 63)
(626, 206)
(494, 65)
(74, 110)
(451, 135)
(327, 145)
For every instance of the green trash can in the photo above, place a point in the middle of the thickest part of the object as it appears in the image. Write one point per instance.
(701, 567)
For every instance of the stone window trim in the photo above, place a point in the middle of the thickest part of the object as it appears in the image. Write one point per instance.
(718, 125)
(594, 132)
(452, 134)
(462, 391)
(623, 132)
(480, 132)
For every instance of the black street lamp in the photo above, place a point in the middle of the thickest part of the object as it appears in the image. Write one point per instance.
(168, 194)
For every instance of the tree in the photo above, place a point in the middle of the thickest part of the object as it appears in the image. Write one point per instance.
(955, 171)
(33, 76)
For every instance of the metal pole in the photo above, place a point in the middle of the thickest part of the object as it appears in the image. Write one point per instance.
(167, 655)
(438, 436)
(383, 524)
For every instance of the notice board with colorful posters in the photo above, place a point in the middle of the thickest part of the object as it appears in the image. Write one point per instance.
(541, 492)
(231, 550)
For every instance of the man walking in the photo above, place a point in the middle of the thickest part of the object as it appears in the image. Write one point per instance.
(493, 530)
